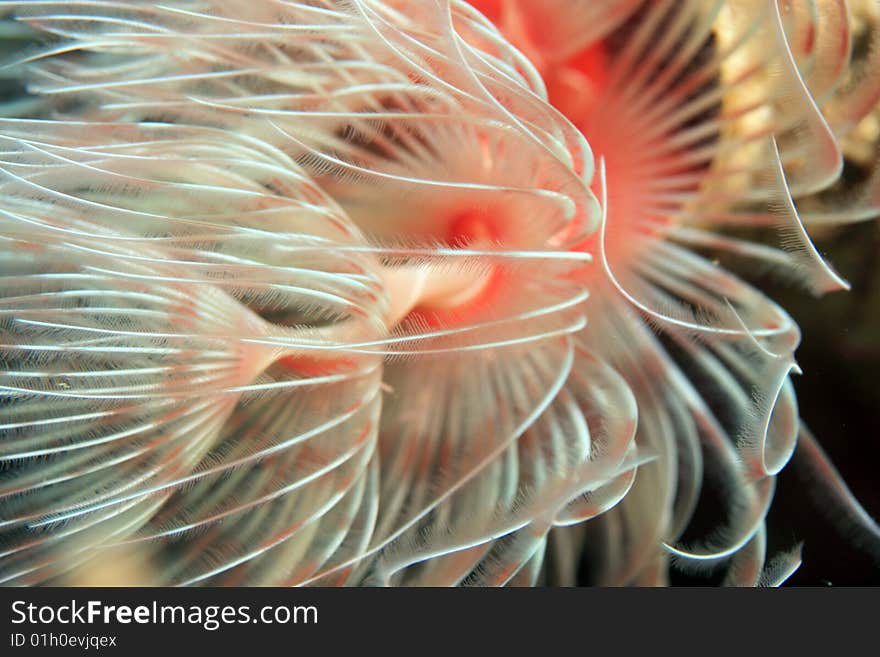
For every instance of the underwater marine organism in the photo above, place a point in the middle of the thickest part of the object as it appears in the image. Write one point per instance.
(406, 293)
(714, 120)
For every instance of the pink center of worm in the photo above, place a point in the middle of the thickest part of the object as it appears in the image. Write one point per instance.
(433, 296)
(427, 294)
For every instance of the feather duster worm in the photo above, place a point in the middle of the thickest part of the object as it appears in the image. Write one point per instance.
(707, 116)
(375, 293)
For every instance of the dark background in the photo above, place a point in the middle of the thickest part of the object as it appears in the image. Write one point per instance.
(839, 398)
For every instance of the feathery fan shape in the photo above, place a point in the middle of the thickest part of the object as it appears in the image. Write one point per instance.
(361, 292)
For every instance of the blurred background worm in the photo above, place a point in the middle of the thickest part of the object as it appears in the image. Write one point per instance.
(419, 292)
